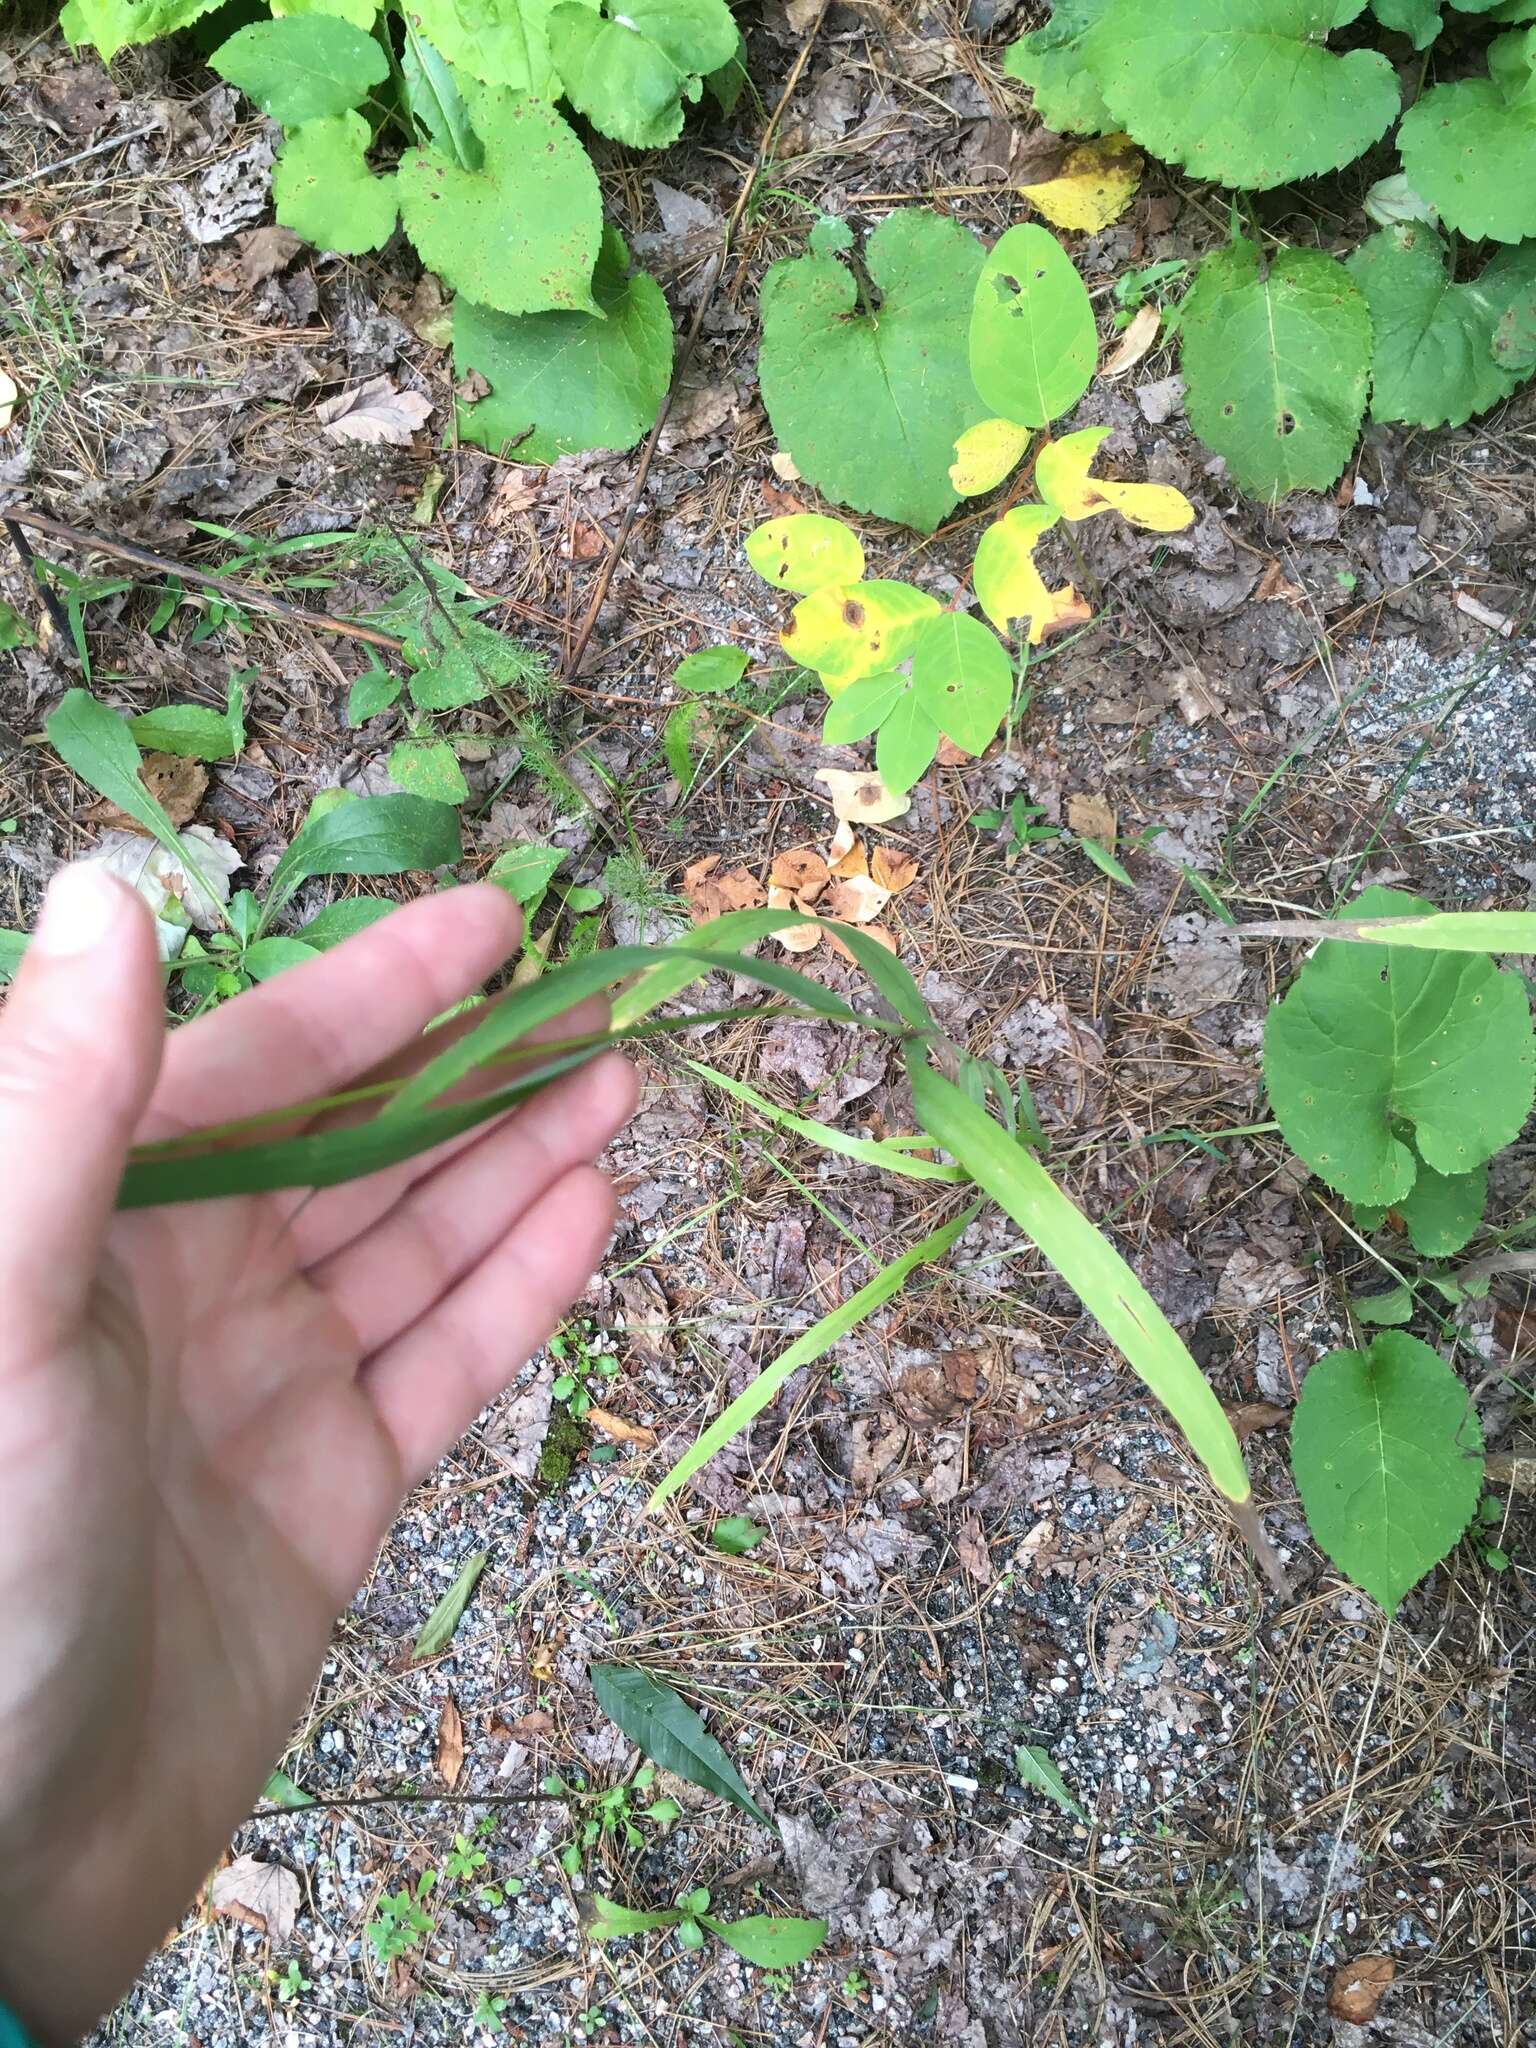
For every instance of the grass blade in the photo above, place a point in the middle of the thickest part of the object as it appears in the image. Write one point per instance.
(437, 1630)
(810, 1345)
(888, 1153)
(1451, 931)
(1089, 1264)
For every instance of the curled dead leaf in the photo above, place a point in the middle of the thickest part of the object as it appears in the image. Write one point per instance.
(971, 1549)
(846, 855)
(861, 796)
(177, 785)
(621, 1430)
(857, 900)
(262, 1895)
(1357, 1987)
(892, 869)
(802, 871)
(1136, 341)
(450, 1743)
(795, 938)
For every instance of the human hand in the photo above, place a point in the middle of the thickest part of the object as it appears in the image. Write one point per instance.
(209, 1413)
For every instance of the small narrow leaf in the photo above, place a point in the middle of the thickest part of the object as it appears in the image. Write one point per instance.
(1388, 1456)
(612, 1922)
(438, 1628)
(712, 672)
(661, 1723)
(282, 1791)
(1037, 1768)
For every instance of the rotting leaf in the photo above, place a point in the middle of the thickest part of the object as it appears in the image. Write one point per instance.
(450, 1743)
(1009, 586)
(438, 1628)
(376, 413)
(263, 1895)
(862, 798)
(665, 1728)
(1096, 183)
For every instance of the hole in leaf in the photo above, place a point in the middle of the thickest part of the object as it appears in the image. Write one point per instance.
(1287, 423)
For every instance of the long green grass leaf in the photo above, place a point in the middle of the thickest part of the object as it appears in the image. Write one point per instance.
(888, 1153)
(1089, 1264)
(1451, 931)
(807, 1347)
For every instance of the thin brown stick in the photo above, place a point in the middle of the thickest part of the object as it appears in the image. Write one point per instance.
(344, 1804)
(578, 653)
(238, 593)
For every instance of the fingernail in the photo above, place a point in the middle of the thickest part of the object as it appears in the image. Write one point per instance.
(81, 907)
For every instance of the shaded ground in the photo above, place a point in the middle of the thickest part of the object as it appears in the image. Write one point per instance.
(976, 1537)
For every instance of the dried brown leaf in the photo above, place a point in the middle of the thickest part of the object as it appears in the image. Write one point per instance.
(450, 1743)
(802, 871)
(262, 1895)
(710, 894)
(1357, 1987)
(857, 900)
(795, 938)
(176, 785)
(1092, 817)
(971, 1549)
(861, 796)
(375, 414)
(1136, 341)
(619, 1429)
(892, 869)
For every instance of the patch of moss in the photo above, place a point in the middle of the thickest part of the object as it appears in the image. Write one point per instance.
(563, 1445)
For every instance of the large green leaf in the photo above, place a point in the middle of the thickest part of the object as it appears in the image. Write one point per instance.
(1509, 279)
(372, 835)
(963, 679)
(1370, 1041)
(1241, 91)
(1051, 62)
(1440, 1212)
(1387, 1453)
(521, 233)
(906, 743)
(630, 67)
(1033, 344)
(579, 380)
(91, 739)
(323, 189)
(1420, 20)
(194, 731)
(1469, 146)
(500, 42)
(113, 25)
(662, 1724)
(1434, 364)
(870, 401)
(1089, 1264)
(1277, 359)
(307, 67)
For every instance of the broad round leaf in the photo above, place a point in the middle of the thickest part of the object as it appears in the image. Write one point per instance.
(805, 551)
(1062, 479)
(1509, 279)
(963, 679)
(1241, 91)
(1051, 62)
(1470, 146)
(1420, 20)
(1277, 366)
(1387, 1453)
(629, 68)
(1373, 1038)
(1008, 585)
(579, 380)
(501, 42)
(522, 233)
(1440, 1212)
(856, 629)
(984, 455)
(323, 189)
(1033, 344)
(770, 1943)
(308, 67)
(870, 405)
(1434, 364)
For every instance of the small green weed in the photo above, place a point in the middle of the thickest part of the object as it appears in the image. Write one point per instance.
(489, 2007)
(400, 1921)
(582, 1356)
(610, 1817)
(772, 1943)
(291, 1984)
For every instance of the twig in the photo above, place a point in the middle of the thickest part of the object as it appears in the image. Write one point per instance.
(67, 162)
(237, 593)
(407, 1799)
(578, 653)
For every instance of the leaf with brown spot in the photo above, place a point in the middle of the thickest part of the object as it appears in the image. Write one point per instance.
(450, 1743)
(862, 797)
(1249, 1417)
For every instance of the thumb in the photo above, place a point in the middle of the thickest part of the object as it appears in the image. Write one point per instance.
(80, 1040)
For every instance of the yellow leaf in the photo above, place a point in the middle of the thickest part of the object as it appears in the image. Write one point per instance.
(1095, 185)
(984, 454)
(1061, 471)
(849, 630)
(1008, 584)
